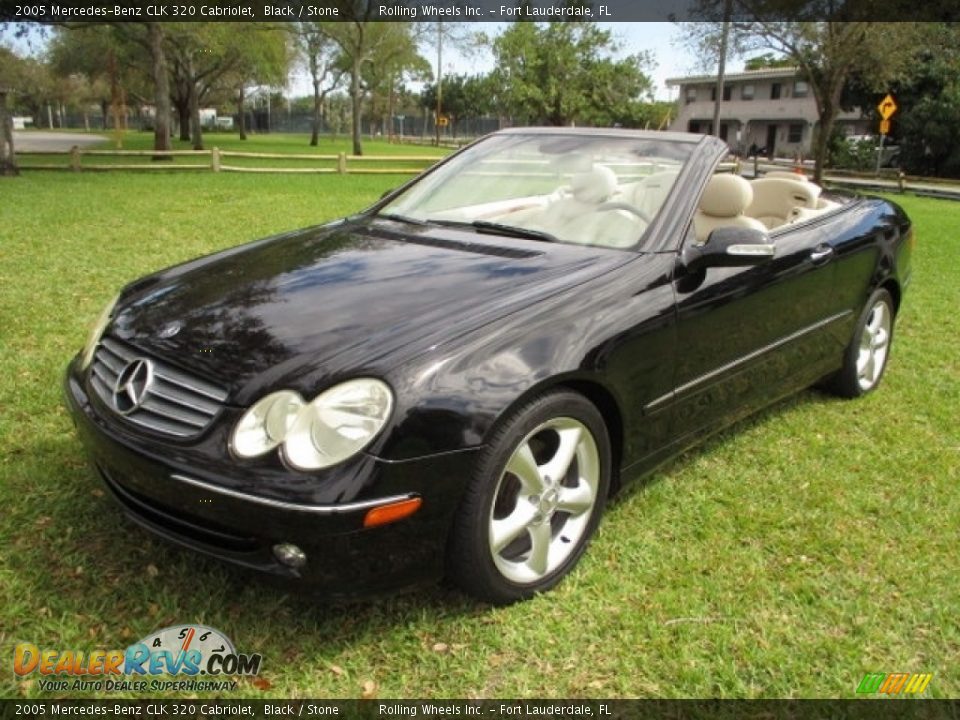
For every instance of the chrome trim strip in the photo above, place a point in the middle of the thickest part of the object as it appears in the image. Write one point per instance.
(295, 507)
(680, 389)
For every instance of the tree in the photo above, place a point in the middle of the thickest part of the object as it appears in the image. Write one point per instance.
(10, 65)
(362, 44)
(321, 57)
(438, 34)
(264, 60)
(104, 68)
(928, 96)
(394, 60)
(464, 96)
(548, 73)
(828, 46)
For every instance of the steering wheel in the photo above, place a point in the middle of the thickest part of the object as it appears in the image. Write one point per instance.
(620, 205)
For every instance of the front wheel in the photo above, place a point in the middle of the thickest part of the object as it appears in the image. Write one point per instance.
(866, 357)
(534, 502)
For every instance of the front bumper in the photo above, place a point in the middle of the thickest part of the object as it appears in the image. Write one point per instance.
(193, 501)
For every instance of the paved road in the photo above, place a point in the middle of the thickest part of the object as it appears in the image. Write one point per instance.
(42, 140)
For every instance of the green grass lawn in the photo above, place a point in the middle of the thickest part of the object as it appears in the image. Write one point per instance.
(786, 557)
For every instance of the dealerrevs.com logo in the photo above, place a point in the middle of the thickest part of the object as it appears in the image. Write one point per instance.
(185, 652)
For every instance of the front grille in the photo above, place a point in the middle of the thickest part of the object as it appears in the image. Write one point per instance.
(172, 403)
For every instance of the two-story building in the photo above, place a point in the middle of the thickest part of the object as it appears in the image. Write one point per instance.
(770, 110)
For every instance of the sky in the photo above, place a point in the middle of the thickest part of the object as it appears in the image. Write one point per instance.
(663, 40)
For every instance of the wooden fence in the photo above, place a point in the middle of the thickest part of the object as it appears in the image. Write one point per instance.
(218, 161)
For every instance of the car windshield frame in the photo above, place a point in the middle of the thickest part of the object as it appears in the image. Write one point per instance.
(591, 189)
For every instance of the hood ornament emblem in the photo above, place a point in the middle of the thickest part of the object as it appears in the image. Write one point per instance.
(133, 385)
(170, 329)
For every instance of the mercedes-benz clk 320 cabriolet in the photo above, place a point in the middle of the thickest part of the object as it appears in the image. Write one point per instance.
(455, 381)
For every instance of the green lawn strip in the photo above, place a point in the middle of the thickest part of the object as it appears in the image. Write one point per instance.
(787, 556)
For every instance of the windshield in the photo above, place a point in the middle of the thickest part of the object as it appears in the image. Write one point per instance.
(601, 191)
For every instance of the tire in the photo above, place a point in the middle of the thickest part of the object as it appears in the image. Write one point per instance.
(866, 356)
(534, 501)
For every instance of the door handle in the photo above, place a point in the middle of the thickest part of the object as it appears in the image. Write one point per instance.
(821, 254)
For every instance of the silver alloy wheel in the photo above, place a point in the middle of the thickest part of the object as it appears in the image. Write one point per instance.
(874, 343)
(544, 500)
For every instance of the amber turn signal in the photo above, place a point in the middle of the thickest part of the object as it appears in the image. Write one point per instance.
(392, 512)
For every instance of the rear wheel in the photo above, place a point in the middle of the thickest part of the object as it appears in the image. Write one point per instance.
(534, 502)
(866, 357)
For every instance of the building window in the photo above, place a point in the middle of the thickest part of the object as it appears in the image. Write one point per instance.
(727, 93)
(795, 133)
(800, 89)
(775, 91)
(746, 92)
(691, 95)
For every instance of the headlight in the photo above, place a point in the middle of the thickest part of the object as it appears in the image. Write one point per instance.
(96, 332)
(265, 425)
(338, 424)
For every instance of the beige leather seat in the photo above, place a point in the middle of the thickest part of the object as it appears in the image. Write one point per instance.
(776, 198)
(722, 205)
(574, 216)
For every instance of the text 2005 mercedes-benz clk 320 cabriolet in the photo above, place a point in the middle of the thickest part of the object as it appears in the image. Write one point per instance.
(456, 380)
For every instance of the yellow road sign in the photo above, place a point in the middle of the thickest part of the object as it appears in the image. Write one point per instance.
(887, 107)
(884, 127)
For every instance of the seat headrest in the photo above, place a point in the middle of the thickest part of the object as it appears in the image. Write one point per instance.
(726, 196)
(594, 185)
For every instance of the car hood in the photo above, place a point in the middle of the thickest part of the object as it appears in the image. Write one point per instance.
(320, 304)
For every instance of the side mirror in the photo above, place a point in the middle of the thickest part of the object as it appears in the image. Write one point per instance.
(729, 247)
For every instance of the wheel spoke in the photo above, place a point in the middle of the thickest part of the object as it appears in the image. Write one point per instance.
(876, 319)
(539, 548)
(559, 464)
(880, 339)
(576, 500)
(505, 531)
(524, 466)
(863, 357)
(868, 370)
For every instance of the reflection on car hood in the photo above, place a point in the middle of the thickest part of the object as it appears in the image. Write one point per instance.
(310, 307)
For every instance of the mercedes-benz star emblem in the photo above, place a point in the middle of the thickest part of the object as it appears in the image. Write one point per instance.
(133, 385)
(170, 329)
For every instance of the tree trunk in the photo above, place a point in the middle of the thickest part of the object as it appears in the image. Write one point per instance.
(8, 160)
(161, 91)
(195, 126)
(828, 106)
(242, 113)
(315, 132)
(357, 103)
(183, 115)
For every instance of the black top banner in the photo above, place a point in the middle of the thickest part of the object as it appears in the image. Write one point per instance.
(478, 11)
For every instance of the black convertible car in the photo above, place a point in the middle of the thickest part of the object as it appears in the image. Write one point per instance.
(456, 380)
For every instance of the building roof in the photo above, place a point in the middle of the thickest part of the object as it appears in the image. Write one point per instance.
(761, 74)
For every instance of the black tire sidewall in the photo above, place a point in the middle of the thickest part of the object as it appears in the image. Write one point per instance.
(469, 562)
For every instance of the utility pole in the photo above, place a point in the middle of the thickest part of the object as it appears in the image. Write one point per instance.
(439, 80)
(721, 66)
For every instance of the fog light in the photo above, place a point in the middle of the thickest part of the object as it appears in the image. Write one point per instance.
(290, 555)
